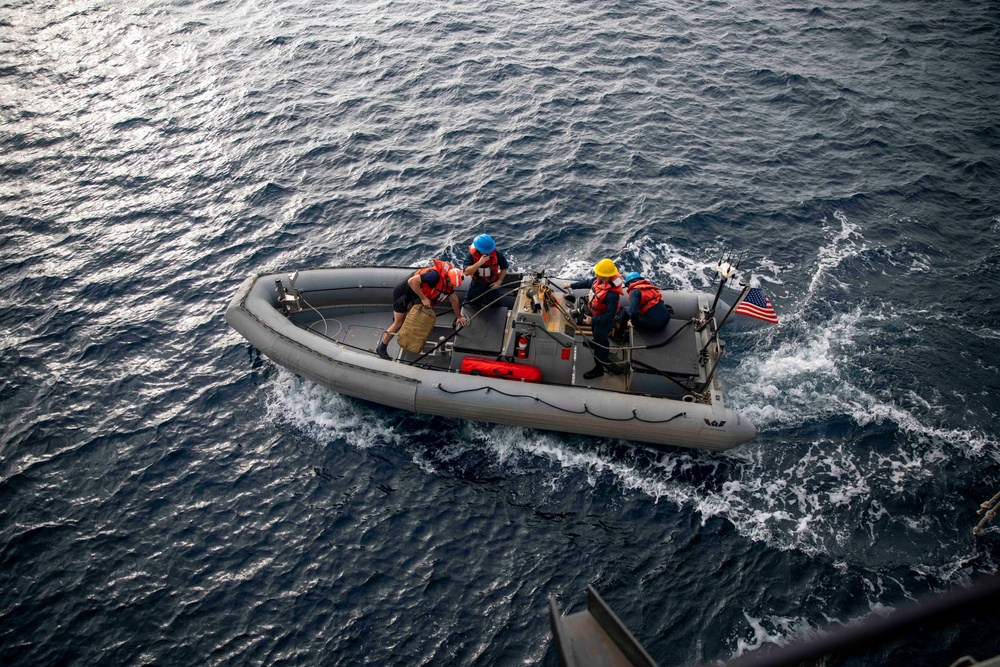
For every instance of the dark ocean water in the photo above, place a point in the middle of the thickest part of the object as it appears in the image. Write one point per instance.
(168, 496)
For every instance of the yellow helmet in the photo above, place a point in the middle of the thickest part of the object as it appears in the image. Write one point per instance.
(606, 268)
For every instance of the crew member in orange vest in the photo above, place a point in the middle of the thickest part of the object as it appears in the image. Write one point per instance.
(488, 268)
(428, 285)
(605, 292)
(645, 307)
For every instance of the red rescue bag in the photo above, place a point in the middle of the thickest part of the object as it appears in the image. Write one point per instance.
(501, 369)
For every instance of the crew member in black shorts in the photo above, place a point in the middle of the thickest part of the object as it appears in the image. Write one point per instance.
(428, 285)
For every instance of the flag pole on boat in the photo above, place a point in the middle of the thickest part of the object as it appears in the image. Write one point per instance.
(745, 289)
(726, 268)
(743, 293)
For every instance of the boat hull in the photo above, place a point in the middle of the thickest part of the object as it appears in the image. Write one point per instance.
(254, 313)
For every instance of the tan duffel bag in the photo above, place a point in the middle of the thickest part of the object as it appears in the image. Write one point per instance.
(416, 328)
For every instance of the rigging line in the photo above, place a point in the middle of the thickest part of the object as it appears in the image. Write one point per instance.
(569, 319)
(586, 408)
(499, 298)
(355, 287)
(330, 338)
(663, 343)
(558, 287)
(667, 341)
(345, 288)
(366, 350)
(325, 328)
(663, 373)
(325, 333)
(496, 300)
(588, 341)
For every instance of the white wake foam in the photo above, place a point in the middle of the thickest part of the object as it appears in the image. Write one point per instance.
(322, 414)
(845, 243)
(813, 497)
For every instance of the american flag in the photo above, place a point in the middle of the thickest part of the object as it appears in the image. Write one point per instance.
(756, 304)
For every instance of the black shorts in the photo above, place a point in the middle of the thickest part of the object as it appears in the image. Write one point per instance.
(403, 297)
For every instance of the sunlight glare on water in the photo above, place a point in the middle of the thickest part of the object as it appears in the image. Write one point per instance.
(151, 462)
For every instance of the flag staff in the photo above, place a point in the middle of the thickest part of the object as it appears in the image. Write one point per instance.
(743, 294)
(725, 269)
(746, 289)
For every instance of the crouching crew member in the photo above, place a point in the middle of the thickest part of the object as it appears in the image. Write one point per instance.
(427, 285)
(488, 268)
(645, 307)
(605, 292)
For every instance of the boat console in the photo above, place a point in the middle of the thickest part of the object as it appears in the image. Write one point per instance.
(541, 332)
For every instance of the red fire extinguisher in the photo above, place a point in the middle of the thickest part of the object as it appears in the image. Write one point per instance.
(522, 347)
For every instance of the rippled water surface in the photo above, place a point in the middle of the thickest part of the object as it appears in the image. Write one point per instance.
(170, 496)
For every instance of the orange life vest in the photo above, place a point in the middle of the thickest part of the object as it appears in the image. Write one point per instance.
(649, 294)
(599, 294)
(489, 271)
(443, 287)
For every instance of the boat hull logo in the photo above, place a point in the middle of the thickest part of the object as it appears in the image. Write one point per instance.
(715, 424)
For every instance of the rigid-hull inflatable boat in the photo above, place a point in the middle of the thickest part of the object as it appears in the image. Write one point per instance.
(520, 361)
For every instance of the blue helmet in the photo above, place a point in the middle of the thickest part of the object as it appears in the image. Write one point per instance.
(484, 244)
(629, 277)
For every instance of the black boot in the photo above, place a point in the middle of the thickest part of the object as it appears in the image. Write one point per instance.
(383, 351)
(594, 373)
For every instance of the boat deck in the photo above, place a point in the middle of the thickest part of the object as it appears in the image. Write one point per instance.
(673, 351)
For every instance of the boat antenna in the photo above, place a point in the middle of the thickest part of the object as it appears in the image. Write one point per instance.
(727, 267)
